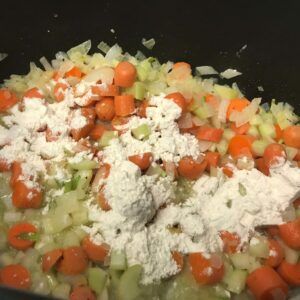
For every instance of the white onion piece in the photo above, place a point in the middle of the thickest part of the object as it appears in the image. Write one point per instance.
(3, 56)
(230, 73)
(104, 74)
(204, 145)
(45, 63)
(198, 122)
(65, 67)
(200, 158)
(242, 117)
(115, 52)
(206, 70)
(185, 121)
(223, 110)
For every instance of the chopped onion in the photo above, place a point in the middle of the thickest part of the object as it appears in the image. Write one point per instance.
(230, 73)
(149, 44)
(223, 110)
(65, 67)
(105, 74)
(198, 122)
(206, 70)
(236, 88)
(185, 121)
(103, 47)
(260, 88)
(3, 56)
(45, 63)
(61, 55)
(140, 55)
(241, 118)
(204, 145)
(114, 53)
(82, 48)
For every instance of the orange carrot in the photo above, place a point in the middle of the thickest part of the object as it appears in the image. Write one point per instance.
(211, 134)
(291, 136)
(103, 203)
(142, 109)
(82, 293)
(7, 99)
(16, 172)
(227, 171)
(290, 272)
(182, 64)
(33, 93)
(212, 159)
(190, 168)
(106, 91)
(124, 105)
(236, 104)
(4, 165)
(97, 132)
(241, 129)
(50, 259)
(58, 91)
(15, 276)
(290, 233)
(264, 282)
(261, 166)
(279, 132)
(212, 100)
(74, 72)
(178, 99)
(125, 74)
(240, 145)
(204, 269)
(230, 240)
(273, 154)
(143, 161)
(275, 254)
(74, 261)
(25, 197)
(178, 258)
(95, 252)
(105, 109)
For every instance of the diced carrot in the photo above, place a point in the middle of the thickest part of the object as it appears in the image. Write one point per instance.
(74, 261)
(97, 132)
(296, 203)
(16, 172)
(227, 171)
(204, 270)
(261, 166)
(212, 159)
(124, 105)
(178, 99)
(230, 240)
(211, 134)
(190, 168)
(103, 203)
(241, 129)
(14, 236)
(275, 254)
(143, 161)
(95, 252)
(290, 272)
(15, 276)
(178, 258)
(236, 104)
(290, 233)
(50, 259)
(265, 283)
(273, 230)
(105, 109)
(291, 136)
(74, 72)
(273, 154)
(59, 90)
(279, 132)
(182, 64)
(142, 109)
(106, 90)
(125, 74)
(33, 93)
(82, 293)
(7, 99)
(4, 165)
(183, 70)
(212, 100)
(240, 145)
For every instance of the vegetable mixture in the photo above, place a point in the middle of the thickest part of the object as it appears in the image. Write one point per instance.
(43, 245)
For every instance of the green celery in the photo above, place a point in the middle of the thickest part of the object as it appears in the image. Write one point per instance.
(97, 279)
(141, 132)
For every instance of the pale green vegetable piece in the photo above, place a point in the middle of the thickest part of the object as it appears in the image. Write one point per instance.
(225, 92)
(259, 247)
(259, 146)
(61, 291)
(228, 134)
(82, 48)
(97, 279)
(56, 223)
(267, 131)
(85, 164)
(236, 281)
(106, 138)
(242, 261)
(70, 239)
(222, 146)
(141, 132)
(118, 260)
(143, 69)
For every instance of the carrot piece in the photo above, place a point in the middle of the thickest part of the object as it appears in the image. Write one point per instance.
(7, 99)
(74, 72)
(261, 166)
(275, 254)
(143, 161)
(211, 134)
(50, 259)
(230, 240)
(58, 91)
(25, 197)
(97, 132)
(103, 203)
(142, 109)
(106, 90)
(190, 168)
(296, 203)
(14, 236)
(290, 272)
(95, 252)
(240, 145)
(4, 165)
(212, 100)
(74, 261)
(178, 99)
(204, 270)
(125, 74)
(290, 233)
(33, 93)
(124, 105)
(279, 132)
(236, 104)
(178, 258)
(212, 159)
(291, 136)
(105, 109)
(241, 129)
(82, 293)
(273, 154)
(182, 64)
(227, 171)
(183, 70)
(16, 172)
(265, 283)
(273, 230)
(15, 276)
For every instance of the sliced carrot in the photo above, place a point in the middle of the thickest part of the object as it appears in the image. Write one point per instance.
(273, 154)
(227, 171)
(290, 233)
(212, 159)
(15, 276)
(204, 270)
(124, 105)
(210, 134)
(59, 90)
(50, 259)
(240, 145)
(105, 109)
(33, 93)
(103, 203)
(275, 254)
(97, 132)
(95, 252)
(74, 261)
(190, 168)
(82, 293)
(125, 74)
(265, 283)
(142, 109)
(7, 99)
(273, 230)
(230, 240)
(279, 132)
(4, 165)
(296, 203)
(178, 99)
(106, 90)
(241, 129)
(143, 161)
(16, 172)
(261, 166)
(74, 72)
(236, 104)
(290, 272)
(291, 136)
(25, 197)
(178, 258)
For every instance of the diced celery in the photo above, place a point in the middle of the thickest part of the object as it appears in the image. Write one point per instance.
(242, 261)
(52, 281)
(259, 247)
(143, 69)
(253, 130)
(85, 177)
(222, 146)
(97, 279)
(139, 90)
(82, 48)
(70, 239)
(256, 120)
(46, 247)
(40, 284)
(61, 291)
(259, 146)
(225, 92)
(213, 147)
(204, 111)
(267, 131)
(156, 170)
(68, 202)
(56, 223)
(12, 216)
(79, 279)
(284, 114)
(106, 137)
(118, 260)
(291, 152)
(228, 134)
(141, 132)
(236, 281)
(85, 164)
(195, 103)
(80, 217)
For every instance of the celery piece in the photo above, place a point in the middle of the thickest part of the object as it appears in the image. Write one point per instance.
(267, 131)
(204, 111)
(118, 260)
(29, 236)
(3, 238)
(106, 137)
(290, 255)
(220, 291)
(139, 90)
(242, 190)
(97, 279)
(156, 170)
(56, 223)
(283, 114)
(80, 217)
(259, 247)
(183, 190)
(253, 130)
(5, 189)
(61, 291)
(259, 147)
(143, 69)
(70, 239)
(85, 164)
(225, 92)
(84, 178)
(242, 261)
(68, 186)
(236, 281)
(52, 281)
(141, 132)
(68, 202)
(222, 146)
(228, 134)
(256, 120)
(31, 259)
(195, 103)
